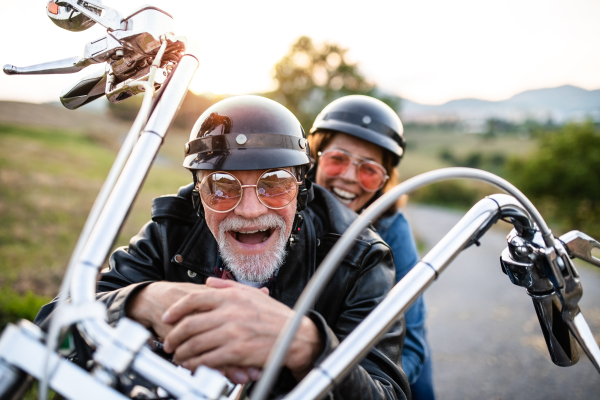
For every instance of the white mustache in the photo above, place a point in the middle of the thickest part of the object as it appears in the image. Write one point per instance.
(236, 223)
(256, 267)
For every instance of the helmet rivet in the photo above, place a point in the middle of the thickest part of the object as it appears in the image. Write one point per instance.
(366, 120)
(241, 139)
(302, 143)
(187, 148)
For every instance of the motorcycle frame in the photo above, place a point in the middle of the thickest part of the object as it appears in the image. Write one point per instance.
(121, 349)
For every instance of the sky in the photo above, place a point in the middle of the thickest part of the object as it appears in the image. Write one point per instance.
(428, 51)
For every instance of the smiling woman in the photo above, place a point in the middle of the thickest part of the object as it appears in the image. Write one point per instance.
(357, 142)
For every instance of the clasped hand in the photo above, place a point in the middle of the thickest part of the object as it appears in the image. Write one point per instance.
(223, 325)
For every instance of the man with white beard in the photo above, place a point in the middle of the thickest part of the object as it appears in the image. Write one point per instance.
(217, 270)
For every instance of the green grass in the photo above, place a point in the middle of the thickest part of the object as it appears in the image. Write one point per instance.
(425, 147)
(49, 180)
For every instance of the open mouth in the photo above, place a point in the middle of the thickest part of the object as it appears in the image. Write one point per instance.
(343, 195)
(252, 237)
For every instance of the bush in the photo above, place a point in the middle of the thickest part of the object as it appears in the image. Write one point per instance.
(14, 306)
(454, 193)
(563, 176)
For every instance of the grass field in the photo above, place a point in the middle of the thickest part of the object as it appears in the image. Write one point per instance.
(48, 182)
(49, 179)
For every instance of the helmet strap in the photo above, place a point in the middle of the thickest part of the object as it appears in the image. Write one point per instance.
(305, 194)
(196, 202)
(296, 227)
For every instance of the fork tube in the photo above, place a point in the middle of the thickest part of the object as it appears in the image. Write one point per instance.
(130, 181)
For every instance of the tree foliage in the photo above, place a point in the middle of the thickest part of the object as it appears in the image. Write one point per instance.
(309, 77)
(564, 175)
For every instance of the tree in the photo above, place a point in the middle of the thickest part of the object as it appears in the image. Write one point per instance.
(309, 77)
(564, 175)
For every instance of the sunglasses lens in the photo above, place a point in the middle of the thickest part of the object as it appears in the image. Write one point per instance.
(221, 191)
(371, 176)
(334, 163)
(277, 189)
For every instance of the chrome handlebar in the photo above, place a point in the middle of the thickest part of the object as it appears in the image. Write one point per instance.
(128, 50)
(567, 286)
(133, 49)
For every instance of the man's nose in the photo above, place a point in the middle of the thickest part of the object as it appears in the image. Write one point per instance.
(250, 207)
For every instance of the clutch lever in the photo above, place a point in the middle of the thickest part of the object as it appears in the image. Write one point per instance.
(564, 276)
(548, 274)
(64, 66)
(579, 245)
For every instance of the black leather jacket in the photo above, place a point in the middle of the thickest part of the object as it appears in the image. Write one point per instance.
(178, 246)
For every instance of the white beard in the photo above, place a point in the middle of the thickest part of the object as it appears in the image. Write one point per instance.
(257, 267)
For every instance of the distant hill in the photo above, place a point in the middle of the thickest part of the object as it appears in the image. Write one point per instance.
(561, 104)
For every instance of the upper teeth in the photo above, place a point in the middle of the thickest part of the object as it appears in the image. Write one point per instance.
(256, 231)
(344, 194)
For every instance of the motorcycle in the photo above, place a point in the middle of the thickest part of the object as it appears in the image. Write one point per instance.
(141, 54)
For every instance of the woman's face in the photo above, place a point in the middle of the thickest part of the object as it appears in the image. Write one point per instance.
(346, 187)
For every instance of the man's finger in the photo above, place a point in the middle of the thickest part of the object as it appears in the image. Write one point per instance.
(198, 344)
(190, 326)
(217, 283)
(254, 373)
(226, 355)
(205, 300)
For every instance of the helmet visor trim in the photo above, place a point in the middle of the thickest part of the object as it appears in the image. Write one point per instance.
(249, 141)
(362, 120)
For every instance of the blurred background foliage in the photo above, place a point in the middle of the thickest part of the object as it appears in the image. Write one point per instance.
(311, 76)
(562, 176)
(52, 165)
(308, 78)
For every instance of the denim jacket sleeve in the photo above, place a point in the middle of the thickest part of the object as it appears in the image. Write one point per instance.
(396, 232)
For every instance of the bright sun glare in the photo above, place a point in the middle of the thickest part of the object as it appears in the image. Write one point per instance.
(430, 51)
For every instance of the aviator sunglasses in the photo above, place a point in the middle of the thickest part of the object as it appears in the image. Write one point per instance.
(222, 192)
(371, 175)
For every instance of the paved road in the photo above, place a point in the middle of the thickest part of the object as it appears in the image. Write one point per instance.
(485, 337)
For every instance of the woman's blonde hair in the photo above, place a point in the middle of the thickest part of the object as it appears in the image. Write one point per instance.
(321, 139)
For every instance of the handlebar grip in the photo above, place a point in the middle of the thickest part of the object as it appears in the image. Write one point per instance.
(559, 340)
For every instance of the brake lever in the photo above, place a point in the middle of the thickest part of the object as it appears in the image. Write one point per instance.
(564, 276)
(64, 66)
(579, 245)
(553, 283)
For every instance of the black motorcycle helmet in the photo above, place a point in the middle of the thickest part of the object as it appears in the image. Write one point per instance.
(246, 133)
(249, 133)
(366, 118)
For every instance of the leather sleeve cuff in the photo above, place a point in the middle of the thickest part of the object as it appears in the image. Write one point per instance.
(330, 341)
(116, 301)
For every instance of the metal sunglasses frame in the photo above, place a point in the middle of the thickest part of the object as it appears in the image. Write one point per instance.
(358, 164)
(255, 186)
